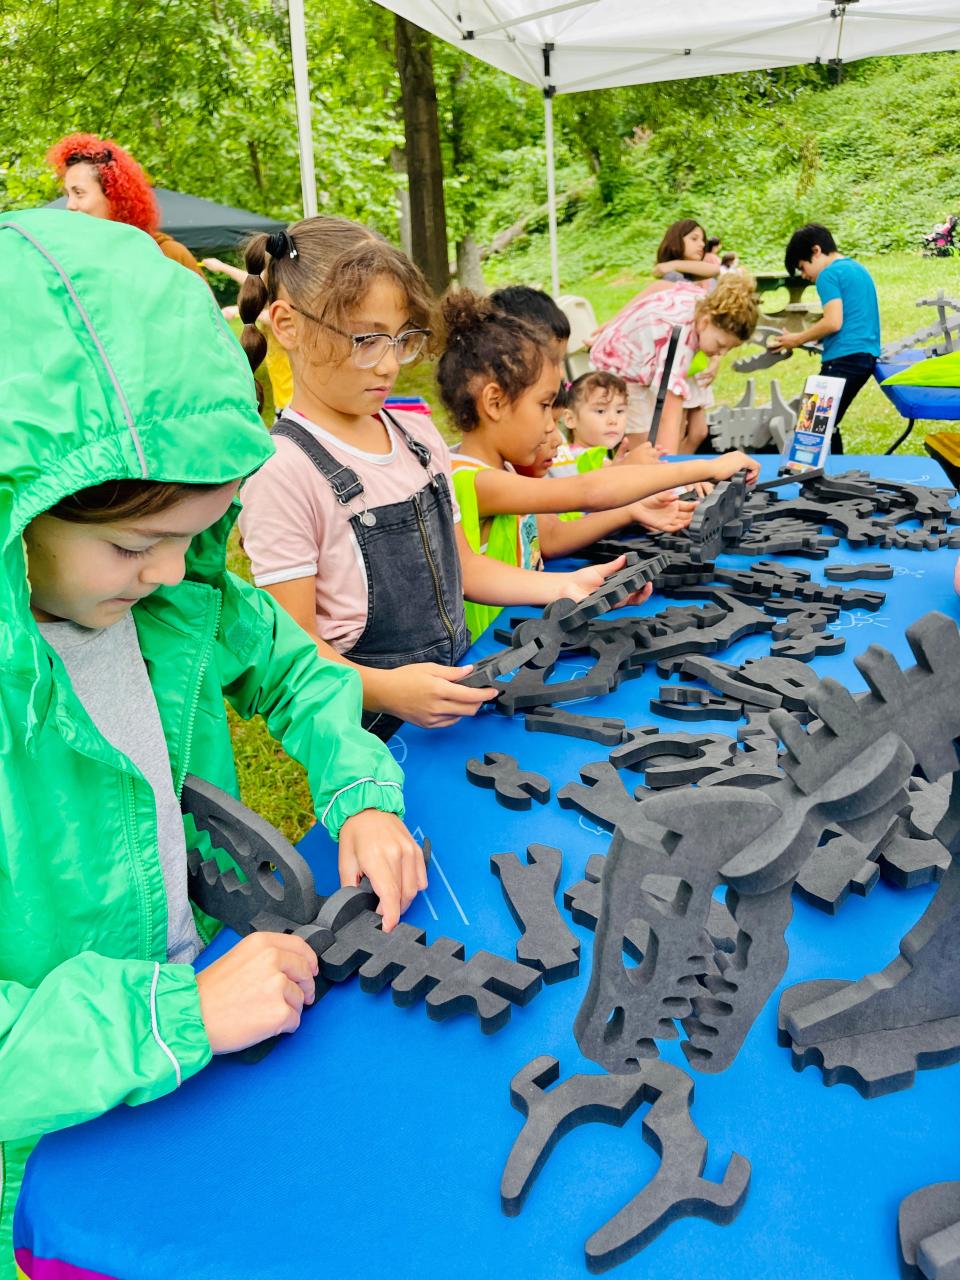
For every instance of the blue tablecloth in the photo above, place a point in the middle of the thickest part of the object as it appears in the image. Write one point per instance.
(372, 1142)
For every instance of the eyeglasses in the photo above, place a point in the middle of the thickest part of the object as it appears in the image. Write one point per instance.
(370, 348)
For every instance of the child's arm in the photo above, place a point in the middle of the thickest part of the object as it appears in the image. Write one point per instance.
(830, 322)
(489, 581)
(689, 267)
(423, 693)
(267, 666)
(502, 492)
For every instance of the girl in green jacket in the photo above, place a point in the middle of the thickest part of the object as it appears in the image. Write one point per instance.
(129, 420)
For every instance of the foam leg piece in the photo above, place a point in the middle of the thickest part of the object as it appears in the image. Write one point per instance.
(514, 787)
(677, 1190)
(853, 572)
(602, 796)
(608, 731)
(546, 943)
(928, 1233)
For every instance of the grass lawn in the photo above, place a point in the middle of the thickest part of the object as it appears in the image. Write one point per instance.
(275, 786)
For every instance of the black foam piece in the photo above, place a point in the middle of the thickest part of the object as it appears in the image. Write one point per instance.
(513, 787)
(673, 759)
(808, 646)
(677, 1190)
(910, 853)
(583, 901)
(877, 571)
(545, 943)
(928, 1233)
(705, 708)
(607, 730)
(345, 931)
(601, 795)
(838, 867)
(718, 518)
(877, 1032)
(485, 984)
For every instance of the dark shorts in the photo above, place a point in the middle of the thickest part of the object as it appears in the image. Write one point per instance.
(856, 370)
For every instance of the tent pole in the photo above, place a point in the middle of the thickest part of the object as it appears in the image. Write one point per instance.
(551, 189)
(301, 89)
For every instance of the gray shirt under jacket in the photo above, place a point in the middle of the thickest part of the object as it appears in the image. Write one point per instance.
(109, 676)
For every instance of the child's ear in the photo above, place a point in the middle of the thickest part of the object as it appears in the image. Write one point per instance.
(491, 401)
(283, 321)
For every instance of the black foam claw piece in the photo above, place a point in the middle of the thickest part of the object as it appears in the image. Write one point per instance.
(546, 944)
(677, 1189)
(806, 647)
(513, 787)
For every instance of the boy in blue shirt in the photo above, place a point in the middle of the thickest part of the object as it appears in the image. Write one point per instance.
(850, 328)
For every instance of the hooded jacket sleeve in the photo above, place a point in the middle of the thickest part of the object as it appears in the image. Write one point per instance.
(63, 1057)
(269, 666)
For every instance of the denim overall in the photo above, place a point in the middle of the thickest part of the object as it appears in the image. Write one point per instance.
(409, 550)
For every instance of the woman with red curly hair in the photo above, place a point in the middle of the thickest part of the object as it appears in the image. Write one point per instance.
(103, 180)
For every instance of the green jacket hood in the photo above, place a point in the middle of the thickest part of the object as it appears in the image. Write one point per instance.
(115, 363)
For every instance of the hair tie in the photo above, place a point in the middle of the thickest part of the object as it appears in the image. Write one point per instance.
(280, 245)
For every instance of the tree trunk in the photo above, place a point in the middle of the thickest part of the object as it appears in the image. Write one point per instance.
(428, 218)
(469, 270)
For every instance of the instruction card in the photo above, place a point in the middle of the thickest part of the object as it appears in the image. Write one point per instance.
(809, 445)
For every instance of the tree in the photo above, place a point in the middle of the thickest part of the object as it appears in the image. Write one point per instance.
(428, 217)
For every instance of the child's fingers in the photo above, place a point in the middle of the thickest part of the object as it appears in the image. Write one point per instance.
(386, 884)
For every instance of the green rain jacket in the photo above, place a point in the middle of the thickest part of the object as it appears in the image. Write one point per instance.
(116, 363)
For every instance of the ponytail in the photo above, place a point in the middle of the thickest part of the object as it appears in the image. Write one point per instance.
(252, 300)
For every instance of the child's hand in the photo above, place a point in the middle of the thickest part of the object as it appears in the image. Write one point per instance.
(428, 694)
(377, 845)
(578, 585)
(642, 454)
(257, 990)
(728, 464)
(663, 513)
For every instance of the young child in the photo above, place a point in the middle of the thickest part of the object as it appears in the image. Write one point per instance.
(351, 525)
(634, 345)
(850, 327)
(125, 438)
(595, 419)
(499, 384)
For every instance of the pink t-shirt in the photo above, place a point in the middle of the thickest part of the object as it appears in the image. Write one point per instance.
(293, 527)
(634, 343)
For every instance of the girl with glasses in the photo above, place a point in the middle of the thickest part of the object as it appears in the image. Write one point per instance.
(352, 526)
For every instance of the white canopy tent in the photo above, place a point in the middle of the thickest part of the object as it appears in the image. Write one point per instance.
(597, 44)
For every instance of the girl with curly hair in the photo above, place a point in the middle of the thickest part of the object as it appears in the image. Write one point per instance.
(635, 342)
(104, 181)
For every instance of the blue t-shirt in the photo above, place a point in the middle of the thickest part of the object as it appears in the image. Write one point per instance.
(860, 331)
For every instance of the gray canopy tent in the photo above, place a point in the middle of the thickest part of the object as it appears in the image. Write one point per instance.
(203, 226)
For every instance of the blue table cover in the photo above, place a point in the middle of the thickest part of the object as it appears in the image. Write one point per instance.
(372, 1142)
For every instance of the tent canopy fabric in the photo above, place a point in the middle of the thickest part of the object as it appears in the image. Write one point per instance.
(202, 225)
(597, 44)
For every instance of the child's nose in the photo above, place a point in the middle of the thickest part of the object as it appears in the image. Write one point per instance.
(165, 569)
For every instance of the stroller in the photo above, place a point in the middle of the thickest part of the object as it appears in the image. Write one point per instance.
(941, 242)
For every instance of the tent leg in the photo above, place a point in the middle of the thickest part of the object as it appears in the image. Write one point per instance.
(301, 89)
(551, 190)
